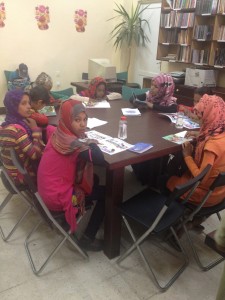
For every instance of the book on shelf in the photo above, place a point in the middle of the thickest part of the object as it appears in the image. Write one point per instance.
(140, 147)
(48, 111)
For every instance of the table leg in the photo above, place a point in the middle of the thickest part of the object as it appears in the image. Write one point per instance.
(114, 196)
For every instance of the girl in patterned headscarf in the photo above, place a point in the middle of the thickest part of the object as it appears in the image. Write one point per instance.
(160, 96)
(210, 149)
(65, 173)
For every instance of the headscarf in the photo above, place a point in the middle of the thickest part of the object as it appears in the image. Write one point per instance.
(91, 91)
(11, 102)
(64, 140)
(165, 85)
(211, 109)
(45, 80)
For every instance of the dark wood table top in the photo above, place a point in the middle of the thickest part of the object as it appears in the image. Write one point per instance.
(150, 127)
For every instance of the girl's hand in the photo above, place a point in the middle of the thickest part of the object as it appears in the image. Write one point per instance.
(187, 149)
(31, 123)
(192, 134)
(150, 105)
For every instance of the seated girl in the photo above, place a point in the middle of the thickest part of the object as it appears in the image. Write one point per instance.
(39, 97)
(160, 96)
(65, 173)
(96, 92)
(20, 132)
(209, 149)
(189, 110)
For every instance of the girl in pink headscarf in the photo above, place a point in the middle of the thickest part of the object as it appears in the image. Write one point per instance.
(160, 96)
(210, 149)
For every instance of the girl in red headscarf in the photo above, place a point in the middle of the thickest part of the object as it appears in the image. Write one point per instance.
(160, 96)
(210, 149)
(96, 91)
(65, 173)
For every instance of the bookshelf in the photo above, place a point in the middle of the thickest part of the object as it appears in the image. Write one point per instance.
(193, 32)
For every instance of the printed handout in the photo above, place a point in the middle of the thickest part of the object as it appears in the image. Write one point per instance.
(178, 138)
(107, 143)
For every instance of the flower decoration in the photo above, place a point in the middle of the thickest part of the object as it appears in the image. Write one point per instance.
(80, 20)
(42, 16)
(2, 14)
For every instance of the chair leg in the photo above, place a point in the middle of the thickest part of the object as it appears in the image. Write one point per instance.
(147, 264)
(197, 258)
(54, 251)
(4, 203)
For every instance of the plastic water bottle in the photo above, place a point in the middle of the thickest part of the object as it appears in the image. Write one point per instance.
(122, 133)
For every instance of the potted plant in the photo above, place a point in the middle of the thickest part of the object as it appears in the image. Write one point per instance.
(130, 30)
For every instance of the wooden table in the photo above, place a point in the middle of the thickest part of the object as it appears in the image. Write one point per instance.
(150, 127)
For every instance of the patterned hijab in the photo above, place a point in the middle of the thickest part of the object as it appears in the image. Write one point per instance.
(211, 109)
(11, 102)
(63, 139)
(165, 85)
(44, 80)
(91, 91)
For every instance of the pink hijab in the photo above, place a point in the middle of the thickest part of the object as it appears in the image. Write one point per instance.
(164, 97)
(211, 109)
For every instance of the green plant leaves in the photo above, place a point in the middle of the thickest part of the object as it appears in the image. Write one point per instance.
(130, 27)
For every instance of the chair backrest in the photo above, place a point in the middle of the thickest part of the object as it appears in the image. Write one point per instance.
(189, 187)
(63, 94)
(7, 74)
(36, 198)
(127, 92)
(218, 182)
(122, 76)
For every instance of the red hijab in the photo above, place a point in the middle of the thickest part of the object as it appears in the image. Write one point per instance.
(211, 109)
(91, 91)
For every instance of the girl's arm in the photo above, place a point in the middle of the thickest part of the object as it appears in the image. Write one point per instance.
(167, 109)
(208, 158)
(93, 154)
(33, 149)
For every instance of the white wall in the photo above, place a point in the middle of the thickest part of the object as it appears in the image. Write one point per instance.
(60, 48)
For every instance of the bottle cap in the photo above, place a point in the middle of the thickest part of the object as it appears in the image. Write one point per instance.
(124, 118)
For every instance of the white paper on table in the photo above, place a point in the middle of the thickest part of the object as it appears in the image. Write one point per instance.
(113, 146)
(131, 111)
(99, 104)
(94, 122)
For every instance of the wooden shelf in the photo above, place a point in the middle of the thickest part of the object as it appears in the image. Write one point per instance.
(200, 28)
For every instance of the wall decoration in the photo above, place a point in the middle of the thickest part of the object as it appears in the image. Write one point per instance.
(80, 20)
(2, 14)
(42, 16)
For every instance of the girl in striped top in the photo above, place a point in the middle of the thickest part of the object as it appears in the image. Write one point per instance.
(20, 132)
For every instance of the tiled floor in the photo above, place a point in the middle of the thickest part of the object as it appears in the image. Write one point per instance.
(68, 276)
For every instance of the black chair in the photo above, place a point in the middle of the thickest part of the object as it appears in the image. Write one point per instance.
(204, 212)
(157, 213)
(13, 190)
(52, 219)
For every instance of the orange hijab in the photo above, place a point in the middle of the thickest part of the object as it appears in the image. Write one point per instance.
(211, 110)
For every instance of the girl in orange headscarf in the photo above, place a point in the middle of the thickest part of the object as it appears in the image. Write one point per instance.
(210, 149)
